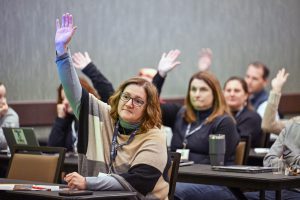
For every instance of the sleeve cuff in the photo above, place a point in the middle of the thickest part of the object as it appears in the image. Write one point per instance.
(63, 56)
(87, 68)
(274, 98)
(103, 182)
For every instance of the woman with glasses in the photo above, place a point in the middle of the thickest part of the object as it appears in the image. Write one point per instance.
(120, 145)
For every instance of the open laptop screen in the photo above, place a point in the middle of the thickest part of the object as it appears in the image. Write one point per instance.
(20, 136)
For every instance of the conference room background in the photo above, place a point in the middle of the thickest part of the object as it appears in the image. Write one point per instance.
(123, 36)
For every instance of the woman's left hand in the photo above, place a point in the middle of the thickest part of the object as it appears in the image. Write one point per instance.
(75, 181)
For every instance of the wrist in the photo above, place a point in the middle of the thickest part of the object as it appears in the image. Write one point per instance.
(85, 65)
(276, 90)
(162, 73)
(60, 49)
(85, 184)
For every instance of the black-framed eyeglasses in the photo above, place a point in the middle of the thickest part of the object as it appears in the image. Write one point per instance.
(135, 101)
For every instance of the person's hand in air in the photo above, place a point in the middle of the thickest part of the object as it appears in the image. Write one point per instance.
(205, 59)
(81, 60)
(64, 33)
(280, 79)
(168, 62)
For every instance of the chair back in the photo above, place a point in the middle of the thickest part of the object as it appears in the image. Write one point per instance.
(265, 139)
(242, 150)
(36, 163)
(173, 172)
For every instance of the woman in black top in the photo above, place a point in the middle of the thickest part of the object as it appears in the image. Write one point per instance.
(205, 112)
(248, 122)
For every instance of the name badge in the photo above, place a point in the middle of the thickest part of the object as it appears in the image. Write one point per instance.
(184, 154)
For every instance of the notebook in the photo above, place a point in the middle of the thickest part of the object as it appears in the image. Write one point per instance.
(242, 169)
(20, 136)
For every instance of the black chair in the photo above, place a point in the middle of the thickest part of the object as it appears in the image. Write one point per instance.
(242, 150)
(173, 172)
(33, 163)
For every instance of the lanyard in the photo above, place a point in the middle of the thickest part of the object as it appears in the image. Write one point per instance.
(188, 133)
(115, 146)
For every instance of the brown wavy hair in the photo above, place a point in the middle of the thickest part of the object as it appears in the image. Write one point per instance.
(84, 84)
(219, 104)
(152, 114)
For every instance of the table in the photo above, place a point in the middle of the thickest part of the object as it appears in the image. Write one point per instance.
(35, 195)
(203, 174)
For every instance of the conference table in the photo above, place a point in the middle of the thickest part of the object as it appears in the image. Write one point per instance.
(38, 195)
(237, 182)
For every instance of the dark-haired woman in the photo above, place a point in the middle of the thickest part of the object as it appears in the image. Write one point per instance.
(248, 122)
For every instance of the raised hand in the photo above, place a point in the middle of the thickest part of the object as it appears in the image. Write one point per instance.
(205, 59)
(278, 82)
(168, 62)
(64, 33)
(81, 61)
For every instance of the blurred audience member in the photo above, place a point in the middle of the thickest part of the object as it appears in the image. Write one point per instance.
(147, 73)
(285, 149)
(248, 122)
(257, 79)
(65, 128)
(8, 117)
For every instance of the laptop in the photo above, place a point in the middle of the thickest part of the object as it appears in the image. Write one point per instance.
(242, 169)
(20, 136)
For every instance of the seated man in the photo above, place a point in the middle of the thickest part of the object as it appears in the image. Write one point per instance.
(8, 117)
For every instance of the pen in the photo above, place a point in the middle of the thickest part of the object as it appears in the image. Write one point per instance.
(36, 187)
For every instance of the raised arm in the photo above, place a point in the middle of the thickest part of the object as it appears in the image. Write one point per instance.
(100, 82)
(66, 71)
(269, 122)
